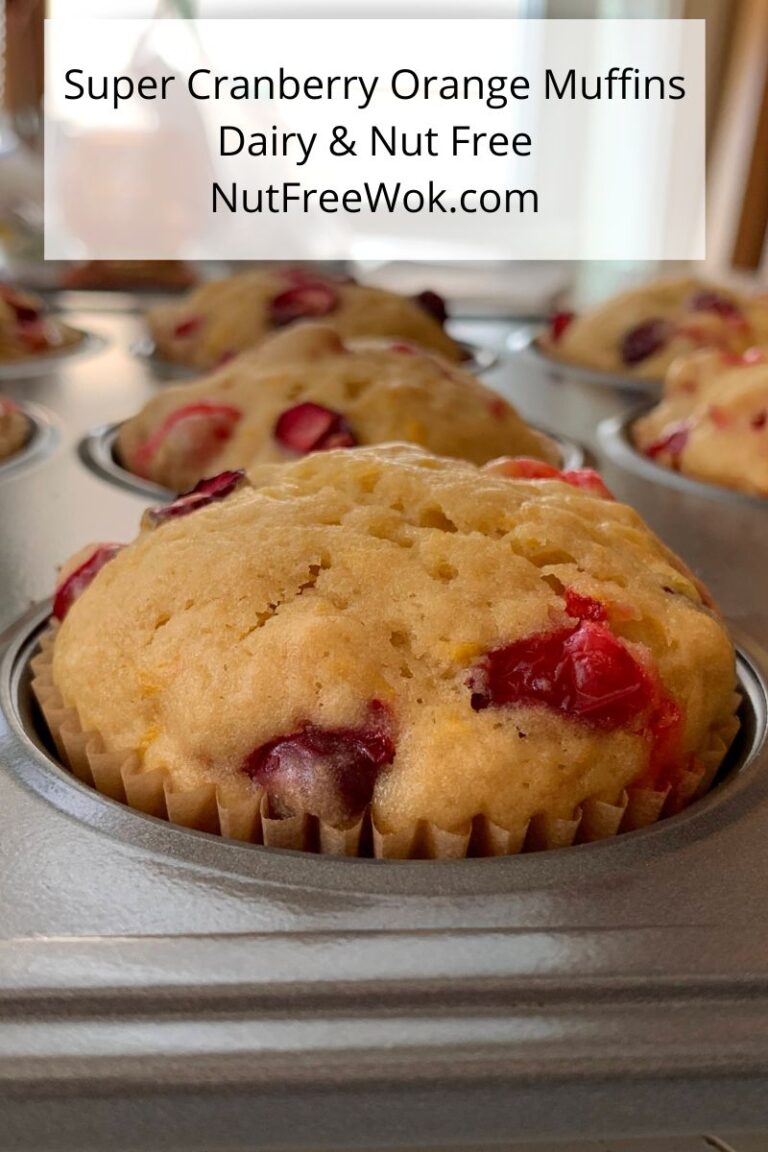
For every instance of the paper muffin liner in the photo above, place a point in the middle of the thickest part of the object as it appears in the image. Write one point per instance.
(217, 809)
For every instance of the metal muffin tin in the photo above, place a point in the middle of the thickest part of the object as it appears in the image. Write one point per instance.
(163, 986)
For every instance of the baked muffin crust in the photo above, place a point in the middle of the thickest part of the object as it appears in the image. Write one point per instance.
(224, 317)
(640, 332)
(304, 390)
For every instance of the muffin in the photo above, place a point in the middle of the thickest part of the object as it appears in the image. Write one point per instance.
(712, 423)
(14, 428)
(224, 317)
(385, 651)
(303, 391)
(639, 333)
(130, 276)
(26, 330)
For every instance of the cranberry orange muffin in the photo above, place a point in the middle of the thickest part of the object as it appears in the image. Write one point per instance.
(712, 423)
(26, 330)
(474, 658)
(303, 391)
(640, 332)
(14, 428)
(130, 275)
(224, 317)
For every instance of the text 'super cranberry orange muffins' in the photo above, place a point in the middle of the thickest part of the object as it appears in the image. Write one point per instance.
(26, 330)
(14, 428)
(640, 332)
(225, 317)
(305, 391)
(384, 651)
(712, 423)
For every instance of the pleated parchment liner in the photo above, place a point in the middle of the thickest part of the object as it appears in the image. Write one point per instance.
(208, 809)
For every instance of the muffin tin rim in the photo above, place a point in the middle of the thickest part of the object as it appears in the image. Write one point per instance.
(524, 342)
(33, 366)
(40, 443)
(481, 359)
(28, 759)
(614, 434)
(96, 451)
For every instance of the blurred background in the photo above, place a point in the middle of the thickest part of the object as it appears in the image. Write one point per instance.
(737, 137)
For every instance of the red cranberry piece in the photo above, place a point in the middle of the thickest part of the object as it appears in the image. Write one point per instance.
(558, 324)
(642, 341)
(708, 301)
(584, 607)
(584, 672)
(498, 408)
(433, 304)
(589, 481)
(25, 313)
(403, 349)
(672, 443)
(310, 427)
(759, 420)
(330, 772)
(24, 309)
(226, 356)
(188, 327)
(76, 583)
(526, 468)
(313, 298)
(198, 430)
(35, 333)
(205, 492)
(7, 406)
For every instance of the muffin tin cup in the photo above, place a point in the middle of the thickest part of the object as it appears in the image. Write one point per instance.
(98, 452)
(525, 343)
(42, 438)
(34, 366)
(615, 436)
(30, 755)
(479, 360)
(208, 809)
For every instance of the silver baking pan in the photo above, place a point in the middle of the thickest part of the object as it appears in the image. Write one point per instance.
(525, 342)
(160, 986)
